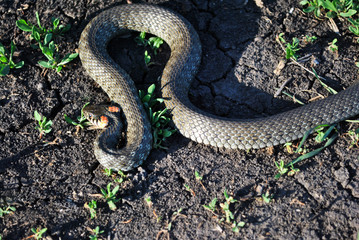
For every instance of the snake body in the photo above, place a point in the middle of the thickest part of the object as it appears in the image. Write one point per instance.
(177, 75)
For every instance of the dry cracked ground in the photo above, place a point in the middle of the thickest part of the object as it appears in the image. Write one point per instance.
(50, 180)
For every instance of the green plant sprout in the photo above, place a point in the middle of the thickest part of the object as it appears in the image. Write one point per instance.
(6, 210)
(225, 206)
(109, 172)
(57, 29)
(38, 232)
(333, 46)
(110, 196)
(54, 60)
(283, 168)
(354, 137)
(199, 179)
(92, 205)
(189, 189)
(346, 9)
(153, 42)
(48, 47)
(6, 59)
(267, 197)
(211, 206)
(44, 125)
(96, 232)
(159, 121)
(310, 39)
(81, 121)
(291, 48)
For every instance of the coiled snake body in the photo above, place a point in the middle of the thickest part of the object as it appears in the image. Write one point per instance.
(180, 69)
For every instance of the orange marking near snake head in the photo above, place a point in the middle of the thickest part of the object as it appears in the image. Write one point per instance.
(103, 122)
(113, 109)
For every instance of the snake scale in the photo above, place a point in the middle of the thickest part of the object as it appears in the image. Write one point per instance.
(177, 75)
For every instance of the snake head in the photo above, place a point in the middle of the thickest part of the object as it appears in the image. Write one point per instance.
(100, 115)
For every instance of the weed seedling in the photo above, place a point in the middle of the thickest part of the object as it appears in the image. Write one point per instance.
(189, 189)
(44, 125)
(149, 202)
(155, 43)
(199, 179)
(6, 210)
(159, 121)
(236, 226)
(344, 8)
(267, 197)
(211, 206)
(6, 61)
(314, 6)
(57, 29)
(310, 39)
(92, 205)
(354, 137)
(38, 232)
(54, 59)
(291, 48)
(110, 196)
(281, 169)
(147, 58)
(80, 122)
(333, 47)
(225, 206)
(96, 232)
(141, 39)
(44, 38)
(109, 172)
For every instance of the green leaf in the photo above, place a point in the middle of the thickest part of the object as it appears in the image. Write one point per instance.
(35, 34)
(37, 116)
(146, 98)
(309, 9)
(2, 49)
(65, 28)
(303, 2)
(329, 5)
(55, 22)
(19, 64)
(22, 24)
(47, 52)
(68, 58)
(4, 70)
(48, 124)
(3, 59)
(151, 89)
(330, 14)
(47, 38)
(52, 47)
(38, 20)
(12, 48)
(69, 120)
(166, 133)
(44, 64)
(350, 13)
(59, 68)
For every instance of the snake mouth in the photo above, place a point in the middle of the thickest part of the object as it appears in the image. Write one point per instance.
(98, 123)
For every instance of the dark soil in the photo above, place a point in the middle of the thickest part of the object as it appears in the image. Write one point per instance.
(49, 184)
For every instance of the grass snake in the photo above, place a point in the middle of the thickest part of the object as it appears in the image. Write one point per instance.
(177, 75)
